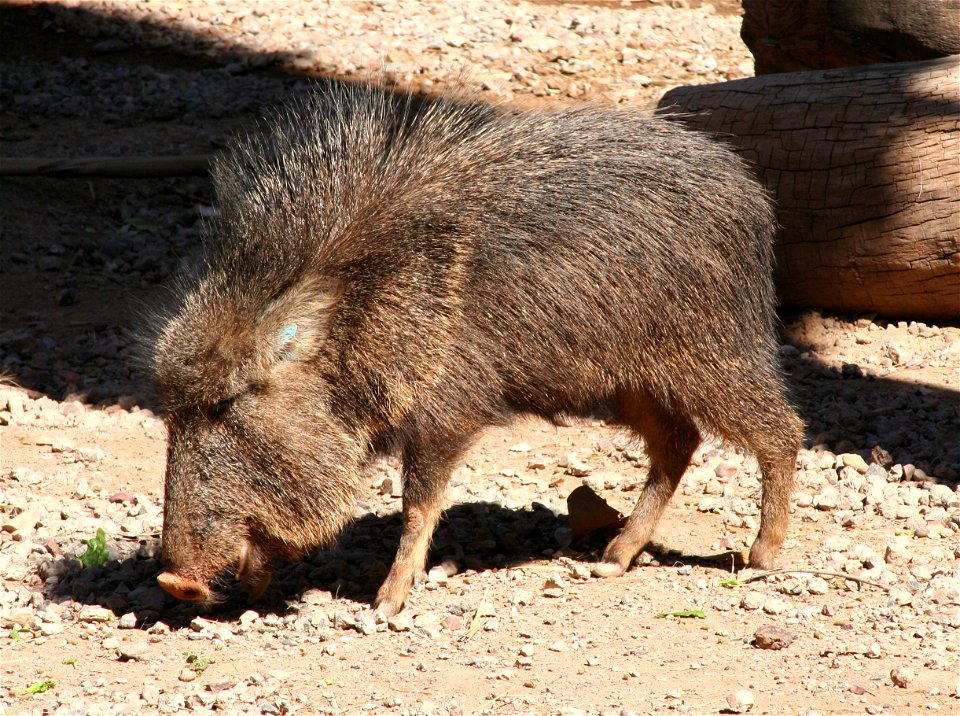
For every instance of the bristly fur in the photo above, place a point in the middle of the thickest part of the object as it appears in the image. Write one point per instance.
(384, 271)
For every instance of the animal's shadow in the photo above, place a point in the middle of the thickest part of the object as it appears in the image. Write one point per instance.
(476, 536)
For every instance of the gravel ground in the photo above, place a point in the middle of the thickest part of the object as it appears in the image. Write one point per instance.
(865, 618)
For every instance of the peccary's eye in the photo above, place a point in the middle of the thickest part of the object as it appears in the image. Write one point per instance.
(218, 409)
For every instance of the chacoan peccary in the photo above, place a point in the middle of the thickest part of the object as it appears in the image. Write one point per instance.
(391, 275)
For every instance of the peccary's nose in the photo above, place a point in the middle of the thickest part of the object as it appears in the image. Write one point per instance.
(184, 588)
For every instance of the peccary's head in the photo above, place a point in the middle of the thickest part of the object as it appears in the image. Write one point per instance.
(258, 464)
(332, 270)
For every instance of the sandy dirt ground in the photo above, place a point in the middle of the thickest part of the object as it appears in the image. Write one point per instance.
(863, 618)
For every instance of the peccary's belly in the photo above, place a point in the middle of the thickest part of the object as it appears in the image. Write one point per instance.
(560, 338)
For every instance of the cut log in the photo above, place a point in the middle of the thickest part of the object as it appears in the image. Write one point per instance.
(864, 164)
(791, 36)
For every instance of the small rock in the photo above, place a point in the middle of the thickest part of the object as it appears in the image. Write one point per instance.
(772, 605)
(739, 702)
(400, 622)
(902, 676)
(62, 445)
(726, 469)
(713, 487)
(827, 499)
(15, 405)
(150, 694)
(187, 674)
(896, 553)
(452, 622)
(576, 467)
(881, 457)
(554, 587)
(851, 459)
(128, 621)
(21, 617)
(199, 624)
(391, 486)
(134, 651)
(22, 522)
(248, 617)
(428, 624)
(91, 453)
(317, 596)
(851, 370)
(94, 613)
(522, 596)
(111, 642)
(752, 600)
(772, 637)
(366, 623)
(437, 575)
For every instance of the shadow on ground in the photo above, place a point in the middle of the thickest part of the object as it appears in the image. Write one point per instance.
(478, 536)
(81, 258)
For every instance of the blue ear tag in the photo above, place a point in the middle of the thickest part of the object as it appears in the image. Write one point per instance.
(284, 337)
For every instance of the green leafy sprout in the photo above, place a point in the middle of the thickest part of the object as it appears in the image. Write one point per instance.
(39, 687)
(690, 614)
(96, 553)
(197, 663)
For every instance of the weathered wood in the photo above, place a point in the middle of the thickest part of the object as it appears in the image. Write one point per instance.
(864, 164)
(128, 167)
(792, 36)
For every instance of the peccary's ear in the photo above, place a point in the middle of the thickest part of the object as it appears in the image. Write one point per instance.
(296, 323)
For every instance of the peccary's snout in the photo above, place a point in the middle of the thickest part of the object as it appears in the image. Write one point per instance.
(253, 568)
(189, 590)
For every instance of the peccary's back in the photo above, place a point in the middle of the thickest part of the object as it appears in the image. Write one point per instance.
(535, 249)
(618, 248)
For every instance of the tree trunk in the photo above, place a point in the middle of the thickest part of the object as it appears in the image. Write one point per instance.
(864, 164)
(792, 36)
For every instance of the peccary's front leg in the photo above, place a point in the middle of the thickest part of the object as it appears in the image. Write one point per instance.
(424, 478)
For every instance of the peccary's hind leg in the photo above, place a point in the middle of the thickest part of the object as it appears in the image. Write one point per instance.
(670, 442)
(777, 456)
(424, 478)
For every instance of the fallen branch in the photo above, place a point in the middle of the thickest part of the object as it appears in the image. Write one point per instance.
(818, 572)
(126, 167)
(479, 618)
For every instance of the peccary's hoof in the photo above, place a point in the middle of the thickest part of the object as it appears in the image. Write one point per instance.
(184, 588)
(387, 608)
(606, 569)
(759, 558)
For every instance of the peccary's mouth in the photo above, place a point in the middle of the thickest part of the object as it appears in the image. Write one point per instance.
(255, 569)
